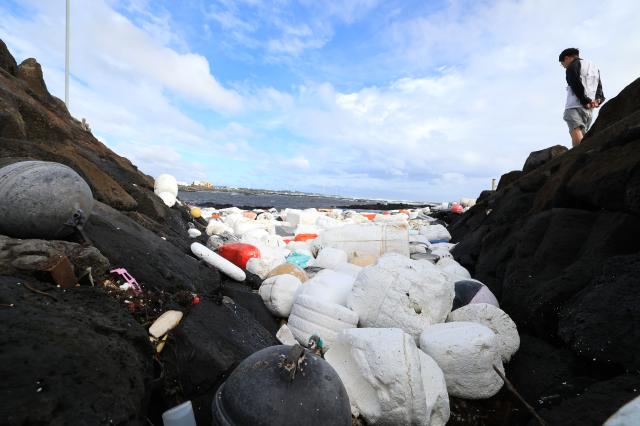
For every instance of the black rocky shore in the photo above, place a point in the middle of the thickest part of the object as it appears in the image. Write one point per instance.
(558, 243)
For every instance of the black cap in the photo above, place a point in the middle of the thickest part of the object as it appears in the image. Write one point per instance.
(571, 51)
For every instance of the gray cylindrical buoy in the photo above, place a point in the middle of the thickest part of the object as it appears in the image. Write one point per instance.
(272, 387)
(41, 199)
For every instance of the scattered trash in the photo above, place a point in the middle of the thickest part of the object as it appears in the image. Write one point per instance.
(239, 253)
(298, 259)
(165, 323)
(196, 212)
(130, 281)
(194, 233)
(60, 271)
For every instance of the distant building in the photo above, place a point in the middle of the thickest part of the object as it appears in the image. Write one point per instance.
(202, 184)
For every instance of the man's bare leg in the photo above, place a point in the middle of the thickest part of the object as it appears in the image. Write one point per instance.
(576, 136)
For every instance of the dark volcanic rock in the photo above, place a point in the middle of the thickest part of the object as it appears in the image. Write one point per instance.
(154, 262)
(508, 178)
(77, 359)
(30, 72)
(7, 61)
(207, 345)
(603, 321)
(538, 158)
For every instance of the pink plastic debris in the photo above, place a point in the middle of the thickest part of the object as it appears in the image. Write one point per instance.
(129, 279)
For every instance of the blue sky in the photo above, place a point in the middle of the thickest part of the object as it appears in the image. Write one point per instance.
(413, 100)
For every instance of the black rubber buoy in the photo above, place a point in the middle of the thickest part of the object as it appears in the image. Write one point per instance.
(282, 385)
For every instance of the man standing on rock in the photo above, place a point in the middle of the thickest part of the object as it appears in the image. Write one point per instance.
(584, 93)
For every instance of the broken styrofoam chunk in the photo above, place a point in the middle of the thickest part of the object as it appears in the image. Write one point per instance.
(165, 323)
(453, 268)
(167, 198)
(216, 227)
(402, 293)
(388, 380)
(285, 336)
(330, 257)
(326, 222)
(194, 233)
(310, 316)
(472, 291)
(329, 286)
(278, 294)
(497, 320)
(261, 267)
(436, 233)
(289, 268)
(166, 183)
(349, 269)
(628, 415)
(466, 352)
(302, 217)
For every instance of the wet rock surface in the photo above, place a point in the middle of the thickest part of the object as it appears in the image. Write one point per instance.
(71, 355)
(558, 246)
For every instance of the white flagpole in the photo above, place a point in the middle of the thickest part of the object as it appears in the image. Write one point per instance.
(66, 61)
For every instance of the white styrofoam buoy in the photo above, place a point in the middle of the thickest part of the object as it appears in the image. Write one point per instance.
(330, 257)
(329, 286)
(494, 318)
(278, 293)
(401, 293)
(166, 183)
(466, 352)
(217, 261)
(310, 316)
(389, 381)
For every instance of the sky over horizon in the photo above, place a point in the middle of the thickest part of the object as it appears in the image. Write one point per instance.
(399, 100)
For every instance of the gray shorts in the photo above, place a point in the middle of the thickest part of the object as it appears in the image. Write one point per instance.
(578, 118)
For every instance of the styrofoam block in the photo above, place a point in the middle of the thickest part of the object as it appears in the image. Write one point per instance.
(278, 293)
(167, 198)
(310, 316)
(330, 257)
(628, 415)
(194, 233)
(349, 269)
(285, 336)
(453, 268)
(388, 380)
(216, 227)
(400, 292)
(466, 352)
(305, 217)
(166, 183)
(435, 232)
(261, 267)
(329, 286)
(494, 318)
(326, 222)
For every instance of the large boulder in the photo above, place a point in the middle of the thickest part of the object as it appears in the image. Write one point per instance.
(71, 357)
(538, 158)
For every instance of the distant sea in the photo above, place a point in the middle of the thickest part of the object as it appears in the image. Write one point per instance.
(280, 200)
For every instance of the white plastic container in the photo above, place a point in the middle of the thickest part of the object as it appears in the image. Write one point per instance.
(494, 318)
(401, 293)
(466, 352)
(218, 262)
(278, 294)
(368, 238)
(310, 316)
(389, 381)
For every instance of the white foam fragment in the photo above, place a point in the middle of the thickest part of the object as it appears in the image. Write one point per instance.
(466, 352)
(403, 293)
(494, 318)
(388, 380)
